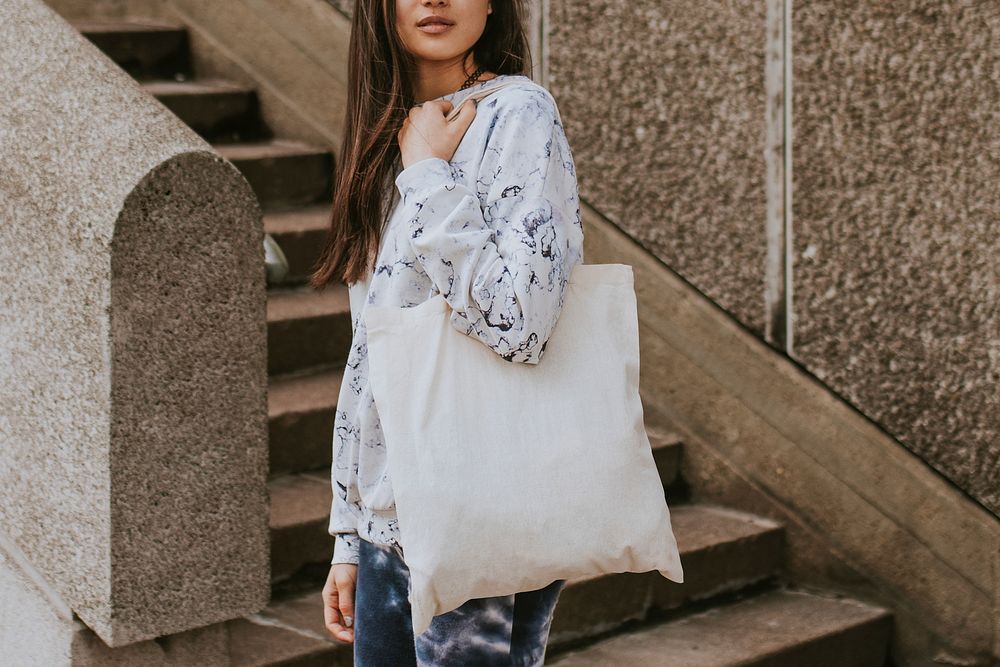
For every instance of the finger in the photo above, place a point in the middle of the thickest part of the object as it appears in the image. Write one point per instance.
(333, 622)
(467, 113)
(329, 603)
(462, 108)
(459, 125)
(345, 587)
(338, 631)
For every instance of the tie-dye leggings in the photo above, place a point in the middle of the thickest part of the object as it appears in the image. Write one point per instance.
(509, 630)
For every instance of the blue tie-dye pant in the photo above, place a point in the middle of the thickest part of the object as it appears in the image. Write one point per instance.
(509, 630)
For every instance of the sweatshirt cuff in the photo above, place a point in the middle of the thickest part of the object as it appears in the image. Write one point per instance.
(345, 548)
(429, 172)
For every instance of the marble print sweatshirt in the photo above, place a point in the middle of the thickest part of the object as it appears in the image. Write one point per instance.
(497, 231)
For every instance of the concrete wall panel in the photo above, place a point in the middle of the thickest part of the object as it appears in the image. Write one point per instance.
(664, 107)
(897, 222)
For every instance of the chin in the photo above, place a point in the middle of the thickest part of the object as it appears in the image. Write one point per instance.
(438, 51)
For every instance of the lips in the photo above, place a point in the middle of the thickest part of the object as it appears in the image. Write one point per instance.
(433, 20)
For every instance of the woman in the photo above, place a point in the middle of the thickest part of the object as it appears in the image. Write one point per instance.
(482, 208)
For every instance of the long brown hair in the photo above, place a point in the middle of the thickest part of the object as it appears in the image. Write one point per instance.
(380, 95)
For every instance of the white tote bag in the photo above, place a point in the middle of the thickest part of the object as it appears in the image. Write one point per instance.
(508, 476)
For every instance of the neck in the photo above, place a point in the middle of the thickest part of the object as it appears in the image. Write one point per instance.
(434, 79)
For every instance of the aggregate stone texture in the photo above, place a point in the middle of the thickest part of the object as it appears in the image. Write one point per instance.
(133, 382)
(664, 107)
(37, 628)
(897, 222)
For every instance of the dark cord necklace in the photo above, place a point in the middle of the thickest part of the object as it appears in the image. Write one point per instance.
(472, 78)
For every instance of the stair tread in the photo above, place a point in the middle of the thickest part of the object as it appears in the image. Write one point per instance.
(302, 499)
(168, 87)
(296, 500)
(305, 219)
(656, 443)
(299, 499)
(735, 633)
(271, 148)
(290, 629)
(296, 304)
(700, 526)
(303, 393)
(721, 636)
(106, 26)
(659, 436)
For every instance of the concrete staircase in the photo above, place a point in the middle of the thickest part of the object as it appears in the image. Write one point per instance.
(734, 609)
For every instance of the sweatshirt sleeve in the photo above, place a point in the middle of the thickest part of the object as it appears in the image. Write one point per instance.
(345, 549)
(502, 253)
(345, 509)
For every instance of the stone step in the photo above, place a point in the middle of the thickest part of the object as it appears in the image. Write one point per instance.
(730, 546)
(311, 329)
(777, 629)
(722, 550)
(285, 174)
(740, 548)
(219, 111)
(289, 633)
(300, 412)
(301, 233)
(145, 49)
(725, 549)
(667, 450)
(300, 509)
(307, 328)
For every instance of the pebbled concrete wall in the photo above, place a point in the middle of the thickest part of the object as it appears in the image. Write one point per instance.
(897, 222)
(663, 104)
(895, 281)
(133, 412)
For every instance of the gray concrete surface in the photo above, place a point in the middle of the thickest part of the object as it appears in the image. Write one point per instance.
(132, 346)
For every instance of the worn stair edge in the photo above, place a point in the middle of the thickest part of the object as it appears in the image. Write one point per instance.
(288, 632)
(300, 510)
(162, 88)
(301, 233)
(219, 111)
(295, 623)
(778, 629)
(308, 328)
(307, 303)
(124, 26)
(301, 412)
(721, 550)
(284, 174)
(667, 451)
(146, 49)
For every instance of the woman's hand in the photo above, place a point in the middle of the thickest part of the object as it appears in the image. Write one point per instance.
(338, 601)
(426, 133)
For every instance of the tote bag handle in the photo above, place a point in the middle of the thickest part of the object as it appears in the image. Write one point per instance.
(489, 90)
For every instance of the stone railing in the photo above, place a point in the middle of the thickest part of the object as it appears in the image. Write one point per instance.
(133, 384)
